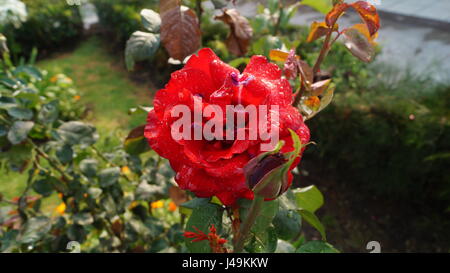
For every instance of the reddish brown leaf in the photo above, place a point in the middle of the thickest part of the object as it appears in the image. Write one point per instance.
(318, 88)
(241, 32)
(369, 15)
(180, 30)
(335, 13)
(318, 30)
(358, 45)
(178, 195)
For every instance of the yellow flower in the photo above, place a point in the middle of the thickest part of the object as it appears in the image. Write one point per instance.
(61, 208)
(126, 170)
(157, 204)
(172, 206)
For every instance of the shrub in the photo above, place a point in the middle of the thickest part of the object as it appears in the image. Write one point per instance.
(389, 140)
(50, 25)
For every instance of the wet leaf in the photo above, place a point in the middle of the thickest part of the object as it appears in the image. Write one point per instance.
(19, 131)
(241, 31)
(358, 45)
(150, 20)
(180, 30)
(335, 13)
(140, 47)
(369, 15)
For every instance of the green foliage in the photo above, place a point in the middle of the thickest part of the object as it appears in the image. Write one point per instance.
(122, 17)
(383, 138)
(105, 195)
(50, 25)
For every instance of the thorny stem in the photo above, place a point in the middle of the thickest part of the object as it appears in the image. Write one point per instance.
(248, 223)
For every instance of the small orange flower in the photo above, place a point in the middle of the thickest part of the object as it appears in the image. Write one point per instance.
(157, 204)
(313, 102)
(77, 97)
(53, 79)
(125, 170)
(172, 206)
(61, 208)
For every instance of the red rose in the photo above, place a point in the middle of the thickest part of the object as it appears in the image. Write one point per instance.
(215, 167)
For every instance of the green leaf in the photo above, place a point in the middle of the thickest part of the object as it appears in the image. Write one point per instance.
(284, 247)
(89, 167)
(43, 187)
(287, 224)
(263, 242)
(140, 47)
(19, 131)
(239, 61)
(203, 218)
(64, 154)
(312, 219)
(268, 211)
(266, 43)
(108, 177)
(35, 229)
(49, 112)
(20, 113)
(77, 133)
(150, 20)
(309, 198)
(316, 247)
(322, 6)
(149, 192)
(83, 218)
(3, 130)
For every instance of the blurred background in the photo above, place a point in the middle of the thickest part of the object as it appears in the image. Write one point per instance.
(383, 146)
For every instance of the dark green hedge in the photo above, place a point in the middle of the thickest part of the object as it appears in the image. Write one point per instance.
(388, 142)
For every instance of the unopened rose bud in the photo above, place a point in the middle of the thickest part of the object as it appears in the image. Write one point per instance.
(265, 176)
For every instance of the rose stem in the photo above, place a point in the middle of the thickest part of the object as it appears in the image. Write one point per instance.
(248, 223)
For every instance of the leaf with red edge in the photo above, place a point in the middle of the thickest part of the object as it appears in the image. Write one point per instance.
(369, 15)
(319, 29)
(135, 143)
(335, 13)
(358, 45)
(180, 29)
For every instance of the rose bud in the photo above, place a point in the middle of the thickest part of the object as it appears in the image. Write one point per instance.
(264, 175)
(267, 175)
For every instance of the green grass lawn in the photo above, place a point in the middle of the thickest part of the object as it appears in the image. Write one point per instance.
(105, 88)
